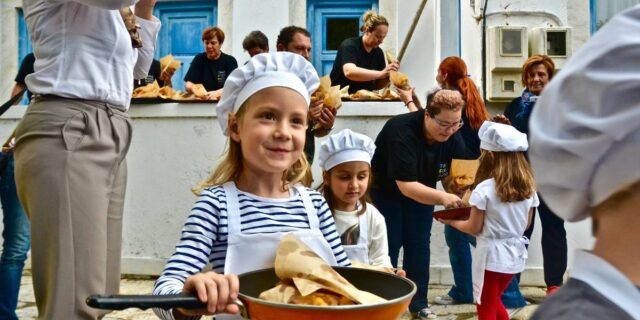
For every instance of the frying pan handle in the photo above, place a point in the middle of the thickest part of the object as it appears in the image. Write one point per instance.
(121, 302)
(166, 302)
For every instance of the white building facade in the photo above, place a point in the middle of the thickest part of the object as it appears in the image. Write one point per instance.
(176, 145)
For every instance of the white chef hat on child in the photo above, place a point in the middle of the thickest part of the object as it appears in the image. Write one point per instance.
(501, 138)
(345, 146)
(585, 129)
(275, 69)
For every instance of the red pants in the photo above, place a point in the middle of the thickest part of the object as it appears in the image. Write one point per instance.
(494, 285)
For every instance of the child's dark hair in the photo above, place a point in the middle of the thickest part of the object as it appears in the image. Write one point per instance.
(328, 195)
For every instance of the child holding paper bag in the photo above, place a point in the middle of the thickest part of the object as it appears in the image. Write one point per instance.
(254, 197)
(503, 202)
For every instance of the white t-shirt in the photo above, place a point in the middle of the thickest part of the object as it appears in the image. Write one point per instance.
(377, 236)
(502, 220)
(83, 50)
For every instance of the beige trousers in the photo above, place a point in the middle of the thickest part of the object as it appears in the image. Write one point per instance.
(71, 178)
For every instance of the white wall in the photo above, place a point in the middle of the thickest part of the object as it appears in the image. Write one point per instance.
(422, 55)
(540, 13)
(175, 146)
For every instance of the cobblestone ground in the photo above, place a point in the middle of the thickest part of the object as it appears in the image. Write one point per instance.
(27, 307)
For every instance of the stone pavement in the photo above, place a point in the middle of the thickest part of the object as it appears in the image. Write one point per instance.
(27, 307)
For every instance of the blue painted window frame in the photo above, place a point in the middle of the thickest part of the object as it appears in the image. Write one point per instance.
(24, 44)
(193, 5)
(341, 9)
(453, 48)
(164, 48)
(593, 8)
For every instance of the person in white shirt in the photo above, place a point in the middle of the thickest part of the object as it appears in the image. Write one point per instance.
(254, 197)
(71, 144)
(345, 158)
(502, 203)
(585, 152)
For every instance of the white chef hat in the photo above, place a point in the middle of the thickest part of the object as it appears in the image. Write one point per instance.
(585, 129)
(501, 138)
(275, 69)
(345, 146)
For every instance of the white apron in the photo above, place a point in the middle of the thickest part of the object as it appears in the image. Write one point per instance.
(480, 255)
(360, 251)
(250, 252)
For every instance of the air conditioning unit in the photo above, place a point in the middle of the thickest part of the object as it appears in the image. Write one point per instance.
(553, 42)
(507, 50)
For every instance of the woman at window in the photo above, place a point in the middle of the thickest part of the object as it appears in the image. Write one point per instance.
(360, 63)
(211, 67)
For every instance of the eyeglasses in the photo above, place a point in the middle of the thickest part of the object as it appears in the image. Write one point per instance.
(446, 125)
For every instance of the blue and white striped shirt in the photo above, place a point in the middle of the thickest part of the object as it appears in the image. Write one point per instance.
(204, 235)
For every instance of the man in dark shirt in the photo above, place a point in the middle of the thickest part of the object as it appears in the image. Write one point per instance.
(155, 74)
(414, 151)
(298, 40)
(26, 68)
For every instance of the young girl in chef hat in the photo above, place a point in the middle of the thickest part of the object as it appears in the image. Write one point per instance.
(253, 198)
(345, 158)
(502, 207)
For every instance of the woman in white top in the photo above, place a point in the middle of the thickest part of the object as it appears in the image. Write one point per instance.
(502, 207)
(71, 145)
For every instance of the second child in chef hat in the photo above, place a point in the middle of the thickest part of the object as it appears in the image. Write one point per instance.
(502, 205)
(253, 197)
(585, 152)
(345, 159)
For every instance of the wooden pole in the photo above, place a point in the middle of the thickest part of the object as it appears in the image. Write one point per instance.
(407, 38)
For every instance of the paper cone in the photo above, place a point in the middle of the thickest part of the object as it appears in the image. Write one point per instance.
(297, 263)
(167, 62)
(464, 172)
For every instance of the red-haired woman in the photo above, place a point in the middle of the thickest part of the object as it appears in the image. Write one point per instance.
(453, 75)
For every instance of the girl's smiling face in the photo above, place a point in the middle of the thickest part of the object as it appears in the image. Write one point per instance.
(348, 182)
(271, 133)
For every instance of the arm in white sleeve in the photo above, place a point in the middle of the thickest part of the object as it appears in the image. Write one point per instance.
(104, 4)
(148, 33)
(378, 245)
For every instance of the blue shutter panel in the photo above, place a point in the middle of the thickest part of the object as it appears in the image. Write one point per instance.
(320, 15)
(180, 35)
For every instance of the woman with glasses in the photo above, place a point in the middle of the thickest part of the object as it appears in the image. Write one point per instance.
(453, 74)
(360, 63)
(413, 152)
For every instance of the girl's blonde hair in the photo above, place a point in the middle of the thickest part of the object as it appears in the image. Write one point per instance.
(328, 195)
(370, 20)
(231, 166)
(511, 170)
